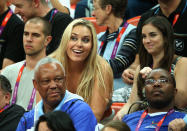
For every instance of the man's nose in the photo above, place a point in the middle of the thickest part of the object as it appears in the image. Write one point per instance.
(53, 84)
(157, 83)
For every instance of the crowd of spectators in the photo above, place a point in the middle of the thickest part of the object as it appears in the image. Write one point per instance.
(57, 73)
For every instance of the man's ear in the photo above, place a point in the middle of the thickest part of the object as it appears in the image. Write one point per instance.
(143, 92)
(35, 3)
(35, 84)
(7, 98)
(47, 40)
(108, 9)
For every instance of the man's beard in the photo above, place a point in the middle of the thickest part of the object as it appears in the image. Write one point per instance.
(159, 104)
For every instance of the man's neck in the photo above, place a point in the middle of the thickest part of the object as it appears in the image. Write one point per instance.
(164, 109)
(168, 6)
(114, 23)
(31, 61)
(43, 10)
(47, 108)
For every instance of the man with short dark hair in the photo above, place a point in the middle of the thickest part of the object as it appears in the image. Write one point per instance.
(36, 37)
(49, 81)
(31, 8)
(9, 114)
(159, 90)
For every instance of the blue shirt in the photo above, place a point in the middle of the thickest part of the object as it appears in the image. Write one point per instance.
(80, 113)
(150, 121)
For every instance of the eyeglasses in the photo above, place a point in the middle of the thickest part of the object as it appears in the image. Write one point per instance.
(159, 81)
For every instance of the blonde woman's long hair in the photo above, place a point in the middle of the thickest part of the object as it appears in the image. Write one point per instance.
(93, 66)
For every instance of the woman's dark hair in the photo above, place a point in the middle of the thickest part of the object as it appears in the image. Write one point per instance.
(163, 25)
(56, 121)
(118, 125)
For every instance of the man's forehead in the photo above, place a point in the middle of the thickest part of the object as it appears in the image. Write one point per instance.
(158, 73)
(50, 67)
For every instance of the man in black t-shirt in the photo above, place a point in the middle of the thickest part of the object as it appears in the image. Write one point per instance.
(11, 36)
(28, 9)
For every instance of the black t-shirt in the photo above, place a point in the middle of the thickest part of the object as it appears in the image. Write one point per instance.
(10, 118)
(11, 40)
(59, 23)
(180, 28)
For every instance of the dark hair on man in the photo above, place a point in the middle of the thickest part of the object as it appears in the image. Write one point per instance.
(5, 84)
(118, 125)
(163, 25)
(118, 6)
(56, 121)
(47, 27)
(141, 83)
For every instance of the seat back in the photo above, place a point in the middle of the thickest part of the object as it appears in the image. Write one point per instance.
(134, 21)
(97, 27)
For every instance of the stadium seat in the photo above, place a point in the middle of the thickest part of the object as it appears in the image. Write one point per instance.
(97, 27)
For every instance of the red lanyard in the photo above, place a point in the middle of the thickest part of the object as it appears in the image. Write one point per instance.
(16, 89)
(144, 114)
(175, 19)
(4, 108)
(5, 21)
(117, 41)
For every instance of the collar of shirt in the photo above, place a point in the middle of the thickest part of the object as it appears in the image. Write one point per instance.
(179, 10)
(112, 36)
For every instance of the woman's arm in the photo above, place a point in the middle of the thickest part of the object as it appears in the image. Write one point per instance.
(133, 98)
(181, 83)
(100, 96)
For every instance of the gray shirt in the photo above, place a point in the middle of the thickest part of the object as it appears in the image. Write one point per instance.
(25, 86)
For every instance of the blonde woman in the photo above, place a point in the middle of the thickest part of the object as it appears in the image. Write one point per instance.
(88, 75)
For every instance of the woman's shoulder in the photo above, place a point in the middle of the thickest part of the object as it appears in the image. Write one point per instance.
(180, 63)
(180, 60)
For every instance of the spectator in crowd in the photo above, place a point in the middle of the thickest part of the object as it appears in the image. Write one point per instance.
(113, 45)
(157, 51)
(88, 75)
(138, 7)
(115, 125)
(175, 11)
(55, 121)
(9, 114)
(84, 9)
(11, 36)
(36, 37)
(159, 89)
(49, 80)
(60, 5)
(29, 8)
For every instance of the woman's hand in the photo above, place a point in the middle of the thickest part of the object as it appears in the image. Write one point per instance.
(145, 71)
(177, 125)
(128, 76)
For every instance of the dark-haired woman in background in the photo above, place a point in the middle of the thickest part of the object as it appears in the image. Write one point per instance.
(157, 51)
